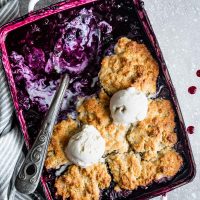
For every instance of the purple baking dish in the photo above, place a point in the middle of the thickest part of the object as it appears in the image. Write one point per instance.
(186, 174)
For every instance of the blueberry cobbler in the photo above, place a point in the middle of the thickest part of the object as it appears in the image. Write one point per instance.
(115, 133)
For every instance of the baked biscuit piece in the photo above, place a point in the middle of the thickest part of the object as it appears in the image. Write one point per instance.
(169, 163)
(61, 134)
(95, 111)
(83, 183)
(156, 131)
(131, 65)
(129, 172)
(125, 168)
(161, 119)
(148, 173)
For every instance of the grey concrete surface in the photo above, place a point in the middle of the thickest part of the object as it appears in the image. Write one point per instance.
(176, 24)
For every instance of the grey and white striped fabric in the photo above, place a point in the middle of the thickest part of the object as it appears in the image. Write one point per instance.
(11, 140)
(9, 10)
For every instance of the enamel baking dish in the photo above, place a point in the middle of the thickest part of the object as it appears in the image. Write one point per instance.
(188, 171)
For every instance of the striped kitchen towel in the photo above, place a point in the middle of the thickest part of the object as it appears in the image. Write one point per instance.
(11, 140)
(9, 10)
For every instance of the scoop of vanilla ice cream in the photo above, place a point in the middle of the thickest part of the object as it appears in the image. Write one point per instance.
(86, 147)
(128, 106)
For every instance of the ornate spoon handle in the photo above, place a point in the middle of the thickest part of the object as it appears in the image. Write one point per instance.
(31, 169)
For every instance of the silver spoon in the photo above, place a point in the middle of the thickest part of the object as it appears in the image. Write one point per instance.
(30, 172)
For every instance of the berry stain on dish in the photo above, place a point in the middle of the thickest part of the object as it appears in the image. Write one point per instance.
(192, 89)
(190, 129)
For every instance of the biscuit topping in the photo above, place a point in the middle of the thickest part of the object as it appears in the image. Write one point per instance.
(85, 147)
(83, 183)
(62, 132)
(128, 106)
(131, 65)
(135, 135)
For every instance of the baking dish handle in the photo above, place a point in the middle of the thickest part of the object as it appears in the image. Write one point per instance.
(31, 5)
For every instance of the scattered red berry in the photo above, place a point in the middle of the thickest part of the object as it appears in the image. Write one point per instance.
(198, 73)
(192, 89)
(190, 129)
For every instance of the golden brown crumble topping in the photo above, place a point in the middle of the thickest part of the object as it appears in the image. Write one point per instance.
(131, 65)
(83, 183)
(156, 131)
(125, 168)
(95, 111)
(147, 156)
(129, 172)
(148, 173)
(169, 163)
(61, 134)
